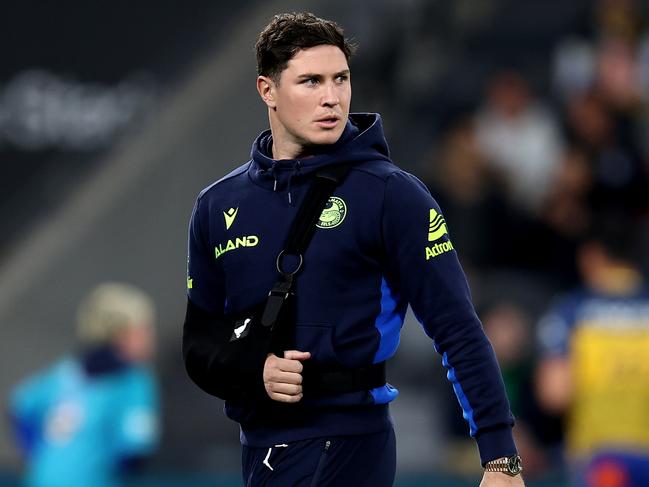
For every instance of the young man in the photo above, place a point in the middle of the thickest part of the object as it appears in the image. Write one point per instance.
(380, 243)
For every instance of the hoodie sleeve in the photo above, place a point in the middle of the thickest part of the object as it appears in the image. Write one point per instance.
(422, 259)
(204, 318)
(204, 279)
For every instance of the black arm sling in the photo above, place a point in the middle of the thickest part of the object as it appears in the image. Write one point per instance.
(243, 343)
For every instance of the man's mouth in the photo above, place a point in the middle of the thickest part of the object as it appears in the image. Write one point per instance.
(328, 122)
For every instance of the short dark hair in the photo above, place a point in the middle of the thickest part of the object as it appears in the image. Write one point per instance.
(616, 232)
(288, 33)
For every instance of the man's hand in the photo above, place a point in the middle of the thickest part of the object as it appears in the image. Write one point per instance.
(283, 376)
(499, 479)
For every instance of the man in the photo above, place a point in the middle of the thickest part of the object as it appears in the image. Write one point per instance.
(91, 418)
(594, 367)
(381, 243)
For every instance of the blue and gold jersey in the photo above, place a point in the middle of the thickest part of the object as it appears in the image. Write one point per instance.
(606, 339)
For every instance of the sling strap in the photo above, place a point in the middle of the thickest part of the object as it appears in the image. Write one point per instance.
(316, 381)
(299, 237)
(322, 382)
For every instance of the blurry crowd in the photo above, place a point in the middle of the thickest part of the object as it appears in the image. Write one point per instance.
(551, 190)
(523, 176)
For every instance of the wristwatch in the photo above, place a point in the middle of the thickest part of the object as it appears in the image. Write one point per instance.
(512, 466)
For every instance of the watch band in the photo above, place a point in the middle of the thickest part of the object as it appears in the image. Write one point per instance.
(511, 466)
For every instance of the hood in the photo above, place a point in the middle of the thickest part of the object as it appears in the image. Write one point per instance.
(362, 140)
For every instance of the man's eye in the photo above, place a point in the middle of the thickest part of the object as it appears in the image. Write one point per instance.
(310, 81)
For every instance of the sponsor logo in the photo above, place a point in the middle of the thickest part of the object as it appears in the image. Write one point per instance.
(438, 249)
(436, 230)
(229, 216)
(233, 244)
(437, 226)
(333, 213)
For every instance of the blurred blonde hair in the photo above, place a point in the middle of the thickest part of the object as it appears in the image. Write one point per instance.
(111, 307)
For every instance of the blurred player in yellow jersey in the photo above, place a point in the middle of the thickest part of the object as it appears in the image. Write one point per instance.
(595, 363)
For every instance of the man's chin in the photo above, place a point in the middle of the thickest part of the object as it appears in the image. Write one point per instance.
(326, 138)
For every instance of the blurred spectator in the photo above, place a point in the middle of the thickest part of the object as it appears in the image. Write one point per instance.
(470, 195)
(566, 208)
(619, 173)
(594, 367)
(490, 232)
(604, 81)
(520, 137)
(93, 416)
(508, 328)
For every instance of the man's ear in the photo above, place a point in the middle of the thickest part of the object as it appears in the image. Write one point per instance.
(266, 90)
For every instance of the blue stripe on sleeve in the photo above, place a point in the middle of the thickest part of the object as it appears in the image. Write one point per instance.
(388, 323)
(467, 410)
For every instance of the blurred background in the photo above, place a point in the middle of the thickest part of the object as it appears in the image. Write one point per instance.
(526, 119)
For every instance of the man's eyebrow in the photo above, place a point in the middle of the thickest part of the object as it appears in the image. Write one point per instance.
(319, 76)
(309, 75)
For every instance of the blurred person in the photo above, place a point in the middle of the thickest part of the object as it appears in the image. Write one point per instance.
(618, 74)
(520, 138)
(594, 366)
(603, 82)
(566, 213)
(608, 46)
(471, 193)
(605, 137)
(388, 246)
(91, 419)
(509, 330)
(567, 208)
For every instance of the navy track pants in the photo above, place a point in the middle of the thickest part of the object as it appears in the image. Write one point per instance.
(355, 461)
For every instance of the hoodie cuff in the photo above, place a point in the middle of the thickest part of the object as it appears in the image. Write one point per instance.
(496, 443)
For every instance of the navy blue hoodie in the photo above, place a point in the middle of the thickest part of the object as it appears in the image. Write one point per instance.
(381, 244)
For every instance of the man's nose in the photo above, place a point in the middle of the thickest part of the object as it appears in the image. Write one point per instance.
(330, 96)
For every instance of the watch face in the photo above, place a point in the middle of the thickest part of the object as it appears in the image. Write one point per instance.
(514, 465)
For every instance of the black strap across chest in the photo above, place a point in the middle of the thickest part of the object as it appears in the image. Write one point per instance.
(316, 381)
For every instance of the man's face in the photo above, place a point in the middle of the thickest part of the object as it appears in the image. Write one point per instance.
(312, 99)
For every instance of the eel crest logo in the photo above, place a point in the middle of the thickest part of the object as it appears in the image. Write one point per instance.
(437, 226)
(333, 213)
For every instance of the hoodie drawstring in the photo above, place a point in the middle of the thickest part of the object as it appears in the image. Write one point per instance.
(273, 172)
(296, 172)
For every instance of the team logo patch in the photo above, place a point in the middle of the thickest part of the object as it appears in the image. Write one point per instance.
(333, 214)
(437, 226)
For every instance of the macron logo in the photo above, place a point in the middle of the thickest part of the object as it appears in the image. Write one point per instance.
(229, 216)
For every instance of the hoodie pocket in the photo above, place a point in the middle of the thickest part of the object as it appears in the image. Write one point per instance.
(317, 338)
